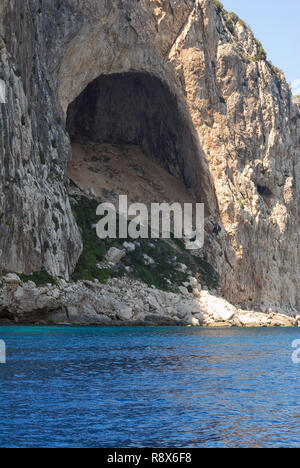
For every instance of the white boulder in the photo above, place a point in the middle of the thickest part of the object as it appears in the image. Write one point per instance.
(193, 282)
(148, 260)
(129, 246)
(114, 255)
(183, 290)
(125, 314)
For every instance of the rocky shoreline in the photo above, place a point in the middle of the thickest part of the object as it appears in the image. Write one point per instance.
(125, 302)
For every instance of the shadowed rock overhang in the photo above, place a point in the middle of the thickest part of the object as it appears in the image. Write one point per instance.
(137, 109)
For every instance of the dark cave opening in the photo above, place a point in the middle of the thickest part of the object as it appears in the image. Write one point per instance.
(137, 109)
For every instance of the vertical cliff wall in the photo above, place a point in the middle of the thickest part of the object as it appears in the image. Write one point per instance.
(37, 226)
(236, 105)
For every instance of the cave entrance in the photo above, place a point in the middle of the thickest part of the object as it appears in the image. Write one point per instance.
(129, 137)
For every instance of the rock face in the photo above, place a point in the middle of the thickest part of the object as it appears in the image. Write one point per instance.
(122, 302)
(114, 255)
(237, 150)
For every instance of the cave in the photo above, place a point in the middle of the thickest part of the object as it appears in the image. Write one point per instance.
(139, 110)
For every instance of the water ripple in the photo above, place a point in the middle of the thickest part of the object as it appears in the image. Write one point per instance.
(142, 387)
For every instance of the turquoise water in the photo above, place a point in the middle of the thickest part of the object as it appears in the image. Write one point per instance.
(149, 387)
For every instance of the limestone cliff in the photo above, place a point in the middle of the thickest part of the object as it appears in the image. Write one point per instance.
(236, 132)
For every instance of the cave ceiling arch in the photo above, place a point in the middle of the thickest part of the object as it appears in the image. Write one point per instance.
(103, 52)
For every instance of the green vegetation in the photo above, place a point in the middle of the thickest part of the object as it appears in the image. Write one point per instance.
(42, 157)
(235, 19)
(48, 85)
(164, 274)
(94, 249)
(277, 72)
(167, 254)
(230, 25)
(242, 206)
(56, 223)
(261, 53)
(242, 23)
(46, 245)
(59, 208)
(246, 58)
(231, 18)
(218, 6)
(40, 278)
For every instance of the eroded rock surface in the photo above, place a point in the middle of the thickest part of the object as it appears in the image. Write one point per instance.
(243, 160)
(122, 302)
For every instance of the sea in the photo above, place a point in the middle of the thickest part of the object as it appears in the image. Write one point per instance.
(149, 387)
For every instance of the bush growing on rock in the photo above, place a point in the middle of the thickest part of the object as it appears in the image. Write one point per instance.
(218, 6)
(261, 53)
(162, 271)
(40, 278)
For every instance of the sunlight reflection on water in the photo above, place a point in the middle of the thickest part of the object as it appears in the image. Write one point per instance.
(143, 387)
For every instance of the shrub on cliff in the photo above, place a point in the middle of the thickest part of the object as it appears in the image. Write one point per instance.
(230, 25)
(231, 18)
(261, 53)
(163, 273)
(218, 6)
(40, 278)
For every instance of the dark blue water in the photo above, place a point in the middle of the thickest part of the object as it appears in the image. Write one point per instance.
(147, 387)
